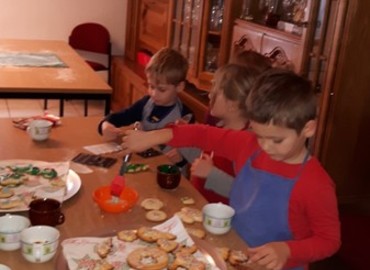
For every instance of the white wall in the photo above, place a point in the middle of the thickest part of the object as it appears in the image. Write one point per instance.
(55, 19)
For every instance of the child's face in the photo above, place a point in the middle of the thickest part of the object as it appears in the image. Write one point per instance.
(162, 93)
(219, 104)
(281, 143)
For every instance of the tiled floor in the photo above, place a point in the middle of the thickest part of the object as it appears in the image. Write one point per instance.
(14, 108)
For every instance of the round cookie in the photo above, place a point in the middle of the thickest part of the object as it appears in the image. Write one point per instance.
(196, 232)
(185, 217)
(148, 258)
(152, 204)
(237, 257)
(194, 213)
(9, 204)
(187, 200)
(127, 235)
(155, 215)
(6, 193)
(167, 245)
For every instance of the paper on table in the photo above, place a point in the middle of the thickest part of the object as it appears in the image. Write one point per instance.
(80, 252)
(103, 148)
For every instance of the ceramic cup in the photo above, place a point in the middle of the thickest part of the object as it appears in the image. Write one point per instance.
(4, 267)
(168, 176)
(39, 129)
(45, 211)
(217, 217)
(39, 243)
(10, 231)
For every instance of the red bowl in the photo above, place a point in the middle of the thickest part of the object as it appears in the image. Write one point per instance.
(105, 200)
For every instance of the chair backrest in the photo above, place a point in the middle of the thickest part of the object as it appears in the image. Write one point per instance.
(91, 37)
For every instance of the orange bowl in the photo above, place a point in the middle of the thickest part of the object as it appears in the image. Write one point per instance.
(104, 199)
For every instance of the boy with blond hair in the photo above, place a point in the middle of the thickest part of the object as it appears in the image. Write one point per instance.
(166, 77)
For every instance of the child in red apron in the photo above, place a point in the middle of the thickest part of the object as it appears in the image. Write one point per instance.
(285, 202)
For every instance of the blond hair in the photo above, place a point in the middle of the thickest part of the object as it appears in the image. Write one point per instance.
(169, 64)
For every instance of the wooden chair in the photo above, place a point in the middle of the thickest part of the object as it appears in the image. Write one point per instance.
(91, 38)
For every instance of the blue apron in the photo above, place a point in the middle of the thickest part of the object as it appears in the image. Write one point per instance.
(261, 203)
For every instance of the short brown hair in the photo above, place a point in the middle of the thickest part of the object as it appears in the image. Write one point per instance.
(282, 98)
(169, 64)
(252, 59)
(235, 82)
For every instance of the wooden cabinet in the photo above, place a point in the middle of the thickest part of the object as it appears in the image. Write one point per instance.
(285, 48)
(201, 30)
(147, 26)
(128, 85)
(153, 25)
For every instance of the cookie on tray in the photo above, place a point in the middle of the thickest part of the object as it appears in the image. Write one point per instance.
(104, 248)
(167, 245)
(196, 232)
(6, 193)
(127, 235)
(152, 235)
(156, 215)
(148, 258)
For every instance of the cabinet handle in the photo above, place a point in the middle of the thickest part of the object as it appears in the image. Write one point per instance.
(243, 44)
(279, 58)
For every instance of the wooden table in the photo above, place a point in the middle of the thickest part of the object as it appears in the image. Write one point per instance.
(83, 217)
(75, 81)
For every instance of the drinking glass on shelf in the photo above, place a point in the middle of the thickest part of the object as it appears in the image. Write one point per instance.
(211, 59)
(246, 15)
(288, 6)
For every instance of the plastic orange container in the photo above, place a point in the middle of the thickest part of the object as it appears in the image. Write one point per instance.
(106, 202)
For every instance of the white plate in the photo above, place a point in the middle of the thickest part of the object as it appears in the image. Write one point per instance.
(73, 183)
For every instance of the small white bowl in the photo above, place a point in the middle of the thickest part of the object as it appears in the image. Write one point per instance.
(11, 227)
(4, 267)
(217, 218)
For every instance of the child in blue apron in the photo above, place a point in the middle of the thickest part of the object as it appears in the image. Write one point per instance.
(285, 202)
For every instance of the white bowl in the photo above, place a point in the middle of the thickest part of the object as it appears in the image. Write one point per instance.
(217, 218)
(11, 227)
(4, 267)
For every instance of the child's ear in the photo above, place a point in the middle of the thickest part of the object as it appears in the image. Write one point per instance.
(180, 87)
(309, 129)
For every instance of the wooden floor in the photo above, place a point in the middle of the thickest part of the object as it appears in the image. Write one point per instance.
(15, 108)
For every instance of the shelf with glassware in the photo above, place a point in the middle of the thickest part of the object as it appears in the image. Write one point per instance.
(263, 27)
(287, 15)
(199, 32)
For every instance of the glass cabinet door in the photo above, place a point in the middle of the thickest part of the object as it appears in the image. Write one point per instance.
(186, 29)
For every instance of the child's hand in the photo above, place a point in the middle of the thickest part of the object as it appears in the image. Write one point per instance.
(109, 131)
(174, 155)
(135, 141)
(272, 256)
(202, 166)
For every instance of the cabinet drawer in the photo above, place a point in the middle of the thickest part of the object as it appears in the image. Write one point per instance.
(246, 39)
(289, 52)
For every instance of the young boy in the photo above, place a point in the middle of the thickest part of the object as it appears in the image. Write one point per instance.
(285, 202)
(166, 74)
